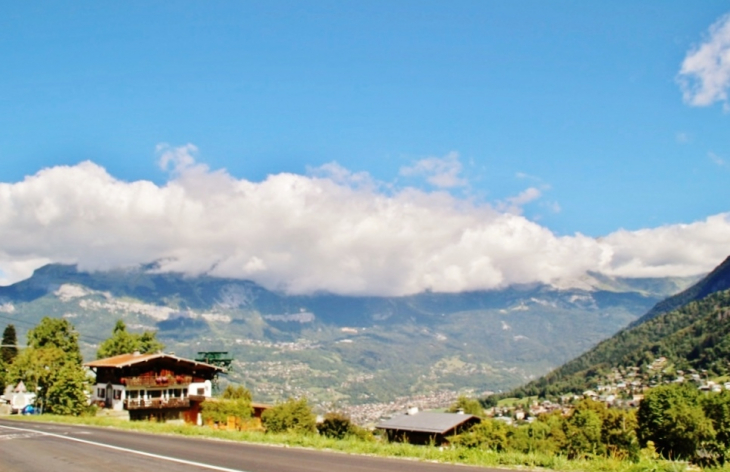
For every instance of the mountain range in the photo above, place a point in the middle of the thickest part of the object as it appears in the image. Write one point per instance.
(343, 349)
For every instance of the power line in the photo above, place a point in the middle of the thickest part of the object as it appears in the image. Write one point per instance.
(89, 339)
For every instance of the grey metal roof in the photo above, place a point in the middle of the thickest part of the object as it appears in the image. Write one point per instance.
(426, 422)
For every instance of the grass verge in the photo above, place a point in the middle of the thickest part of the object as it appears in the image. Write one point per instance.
(476, 457)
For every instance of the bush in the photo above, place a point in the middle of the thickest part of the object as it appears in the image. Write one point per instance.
(219, 411)
(290, 416)
(335, 425)
(488, 434)
(534, 437)
(339, 426)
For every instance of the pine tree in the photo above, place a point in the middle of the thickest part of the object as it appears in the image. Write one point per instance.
(124, 342)
(9, 349)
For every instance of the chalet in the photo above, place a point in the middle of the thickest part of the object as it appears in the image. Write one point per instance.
(153, 386)
(426, 427)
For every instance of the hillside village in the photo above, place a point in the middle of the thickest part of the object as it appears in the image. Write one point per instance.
(621, 388)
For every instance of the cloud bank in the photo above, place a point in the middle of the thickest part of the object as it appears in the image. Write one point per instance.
(705, 73)
(332, 230)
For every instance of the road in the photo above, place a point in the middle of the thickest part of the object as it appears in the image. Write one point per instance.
(41, 447)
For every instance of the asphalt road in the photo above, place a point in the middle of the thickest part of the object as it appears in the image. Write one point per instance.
(42, 447)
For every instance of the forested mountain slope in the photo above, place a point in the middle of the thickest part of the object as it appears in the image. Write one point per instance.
(689, 328)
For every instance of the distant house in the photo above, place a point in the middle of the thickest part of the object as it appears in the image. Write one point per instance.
(258, 409)
(426, 427)
(18, 397)
(153, 386)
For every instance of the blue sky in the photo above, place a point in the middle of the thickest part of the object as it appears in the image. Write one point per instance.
(568, 115)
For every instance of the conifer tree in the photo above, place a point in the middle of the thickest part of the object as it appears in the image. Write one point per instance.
(124, 342)
(9, 349)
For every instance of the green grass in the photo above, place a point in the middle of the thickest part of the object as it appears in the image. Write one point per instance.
(514, 401)
(477, 457)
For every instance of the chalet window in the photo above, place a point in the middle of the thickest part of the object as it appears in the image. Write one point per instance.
(100, 392)
(201, 391)
(155, 393)
(133, 394)
(117, 394)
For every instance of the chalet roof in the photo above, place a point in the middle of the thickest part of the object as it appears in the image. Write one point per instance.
(125, 360)
(426, 422)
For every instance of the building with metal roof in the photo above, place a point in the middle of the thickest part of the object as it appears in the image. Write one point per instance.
(426, 427)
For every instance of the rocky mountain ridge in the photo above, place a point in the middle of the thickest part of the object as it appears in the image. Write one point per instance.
(341, 349)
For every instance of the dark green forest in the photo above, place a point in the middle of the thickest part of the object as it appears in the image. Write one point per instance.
(692, 337)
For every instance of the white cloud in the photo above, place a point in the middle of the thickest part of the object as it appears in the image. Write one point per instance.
(514, 204)
(176, 159)
(553, 207)
(705, 73)
(441, 172)
(683, 138)
(716, 159)
(319, 232)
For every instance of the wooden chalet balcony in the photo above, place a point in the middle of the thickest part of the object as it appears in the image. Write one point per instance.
(158, 381)
(156, 403)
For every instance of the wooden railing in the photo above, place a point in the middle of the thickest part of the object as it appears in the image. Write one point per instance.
(156, 403)
(157, 381)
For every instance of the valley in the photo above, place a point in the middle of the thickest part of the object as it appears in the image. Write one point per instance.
(336, 350)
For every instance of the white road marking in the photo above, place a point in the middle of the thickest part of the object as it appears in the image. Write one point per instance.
(124, 449)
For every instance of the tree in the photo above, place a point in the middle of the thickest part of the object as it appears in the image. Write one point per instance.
(148, 342)
(717, 409)
(124, 342)
(671, 417)
(583, 433)
(470, 406)
(56, 332)
(619, 433)
(3, 375)
(290, 416)
(66, 395)
(9, 348)
(51, 367)
(237, 393)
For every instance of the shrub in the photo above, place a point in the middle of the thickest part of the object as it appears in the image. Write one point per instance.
(488, 434)
(335, 425)
(339, 426)
(290, 416)
(533, 437)
(219, 410)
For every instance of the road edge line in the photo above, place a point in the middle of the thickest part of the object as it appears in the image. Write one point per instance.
(124, 449)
